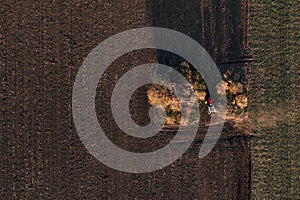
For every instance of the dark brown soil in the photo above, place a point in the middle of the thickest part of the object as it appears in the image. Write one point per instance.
(43, 45)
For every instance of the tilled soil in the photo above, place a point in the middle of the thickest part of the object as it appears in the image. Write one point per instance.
(42, 47)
